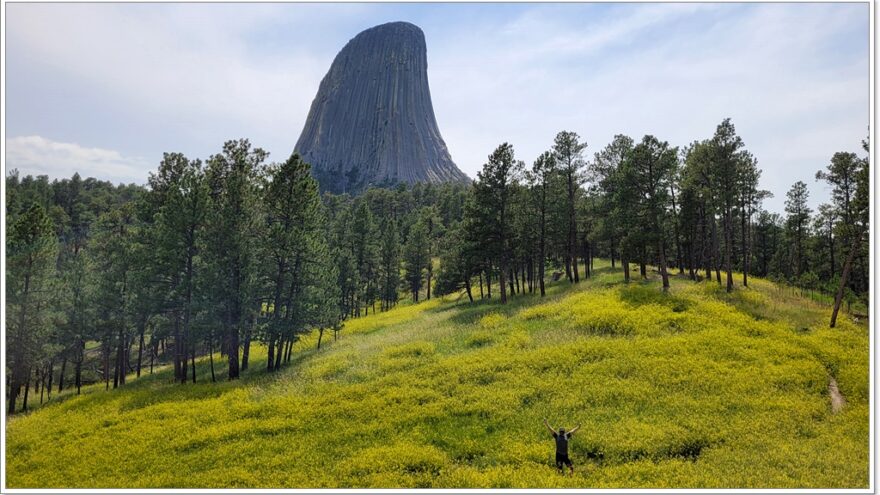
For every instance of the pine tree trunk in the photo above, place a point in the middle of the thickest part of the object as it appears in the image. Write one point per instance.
(663, 274)
(588, 258)
(246, 347)
(489, 282)
(705, 253)
(39, 384)
(531, 275)
(51, 373)
(211, 356)
(847, 266)
(154, 352)
(747, 247)
(831, 247)
(180, 351)
(14, 389)
(678, 256)
(27, 387)
(715, 251)
(279, 354)
(118, 361)
(503, 282)
(126, 347)
(543, 254)
(140, 349)
(502, 278)
(232, 350)
(61, 375)
(129, 343)
(270, 360)
(79, 361)
(679, 260)
(728, 245)
(178, 340)
(106, 352)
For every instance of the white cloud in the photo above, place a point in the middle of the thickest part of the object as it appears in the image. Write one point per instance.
(36, 155)
(186, 77)
(187, 68)
(674, 71)
(566, 40)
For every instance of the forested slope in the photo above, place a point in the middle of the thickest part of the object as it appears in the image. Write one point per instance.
(691, 388)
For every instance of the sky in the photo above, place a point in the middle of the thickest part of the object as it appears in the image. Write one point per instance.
(105, 89)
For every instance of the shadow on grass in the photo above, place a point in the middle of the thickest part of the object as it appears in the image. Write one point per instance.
(771, 304)
(469, 313)
(160, 386)
(645, 292)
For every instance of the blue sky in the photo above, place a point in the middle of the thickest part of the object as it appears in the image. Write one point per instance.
(104, 89)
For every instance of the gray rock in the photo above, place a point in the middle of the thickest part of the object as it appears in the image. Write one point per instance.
(372, 122)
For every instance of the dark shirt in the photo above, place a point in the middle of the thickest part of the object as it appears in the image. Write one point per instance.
(562, 443)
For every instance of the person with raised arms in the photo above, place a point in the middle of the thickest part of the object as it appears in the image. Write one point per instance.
(562, 437)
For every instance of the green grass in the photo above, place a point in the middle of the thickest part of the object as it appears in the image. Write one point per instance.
(695, 388)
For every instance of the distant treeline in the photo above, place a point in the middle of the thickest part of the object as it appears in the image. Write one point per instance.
(215, 255)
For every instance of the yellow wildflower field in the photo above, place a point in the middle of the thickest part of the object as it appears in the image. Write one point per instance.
(694, 388)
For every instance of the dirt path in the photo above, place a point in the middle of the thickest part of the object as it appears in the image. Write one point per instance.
(837, 400)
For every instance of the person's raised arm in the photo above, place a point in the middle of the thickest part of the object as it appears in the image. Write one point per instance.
(549, 427)
(576, 428)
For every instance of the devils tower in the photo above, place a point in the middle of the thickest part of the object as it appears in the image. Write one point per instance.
(372, 122)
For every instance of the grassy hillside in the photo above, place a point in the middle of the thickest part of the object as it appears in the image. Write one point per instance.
(696, 388)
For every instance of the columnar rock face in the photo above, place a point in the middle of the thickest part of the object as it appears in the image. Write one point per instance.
(372, 122)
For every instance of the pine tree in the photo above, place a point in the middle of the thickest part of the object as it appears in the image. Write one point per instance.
(726, 161)
(750, 198)
(112, 256)
(177, 207)
(861, 201)
(456, 267)
(611, 209)
(541, 177)
(492, 193)
(568, 151)
(646, 175)
(365, 244)
(389, 269)
(842, 175)
(31, 250)
(232, 230)
(416, 258)
(797, 225)
(291, 208)
(699, 185)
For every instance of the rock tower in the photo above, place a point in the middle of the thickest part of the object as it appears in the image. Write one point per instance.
(372, 122)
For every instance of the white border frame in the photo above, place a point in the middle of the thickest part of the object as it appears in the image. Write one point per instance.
(872, 306)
